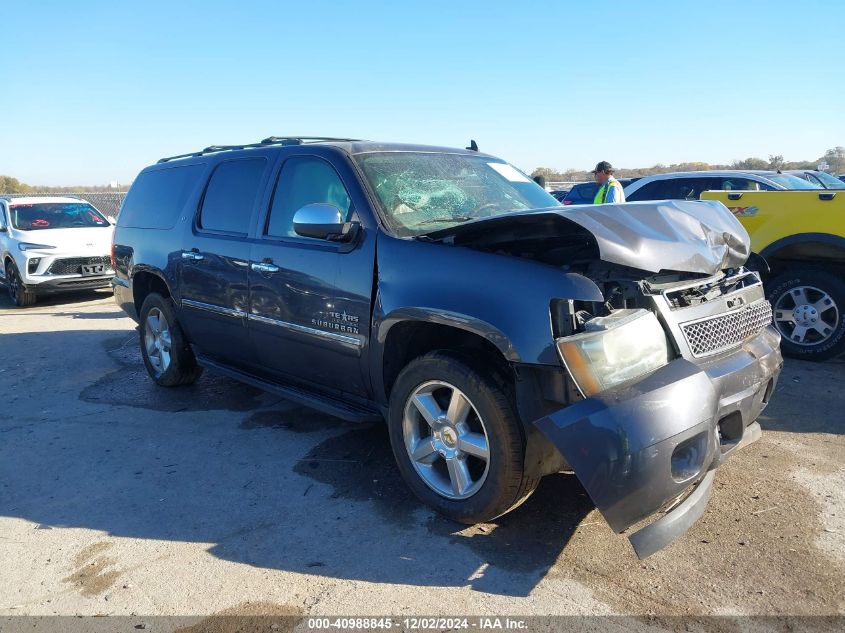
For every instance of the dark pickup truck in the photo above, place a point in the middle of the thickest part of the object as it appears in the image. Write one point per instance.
(502, 336)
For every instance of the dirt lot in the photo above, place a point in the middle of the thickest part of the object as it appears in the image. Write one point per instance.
(117, 497)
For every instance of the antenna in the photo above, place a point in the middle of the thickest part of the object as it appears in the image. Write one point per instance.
(473, 146)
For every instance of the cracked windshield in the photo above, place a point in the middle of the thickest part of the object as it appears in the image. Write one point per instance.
(425, 192)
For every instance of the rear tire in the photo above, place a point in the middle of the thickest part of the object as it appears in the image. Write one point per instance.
(809, 312)
(20, 295)
(461, 427)
(167, 355)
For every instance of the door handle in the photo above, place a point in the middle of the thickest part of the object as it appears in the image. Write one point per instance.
(264, 267)
(193, 256)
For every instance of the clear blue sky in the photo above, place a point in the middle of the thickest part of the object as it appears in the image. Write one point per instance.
(94, 91)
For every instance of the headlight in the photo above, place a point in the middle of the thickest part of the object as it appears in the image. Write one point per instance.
(614, 349)
(29, 246)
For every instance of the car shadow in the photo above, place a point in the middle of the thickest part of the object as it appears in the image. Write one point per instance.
(57, 299)
(92, 316)
(263, 482)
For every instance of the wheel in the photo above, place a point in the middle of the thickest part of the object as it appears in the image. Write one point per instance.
(458, 442)
(167, 355)
(20, 295)
(809, 312)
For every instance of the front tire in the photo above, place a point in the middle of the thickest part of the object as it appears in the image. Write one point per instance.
(20, 295)
(457, 440)
(167, 355)
(809, 312)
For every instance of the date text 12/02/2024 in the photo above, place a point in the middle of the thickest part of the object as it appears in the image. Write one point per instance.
(419, 623)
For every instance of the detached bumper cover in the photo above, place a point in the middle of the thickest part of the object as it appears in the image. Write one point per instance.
(637, 449)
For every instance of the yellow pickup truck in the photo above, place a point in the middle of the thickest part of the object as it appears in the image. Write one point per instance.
(801, 234)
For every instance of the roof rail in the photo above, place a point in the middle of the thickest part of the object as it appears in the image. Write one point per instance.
(299, 140)
(270, 140)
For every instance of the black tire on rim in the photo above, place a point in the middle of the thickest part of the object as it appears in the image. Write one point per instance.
(166, 353)
(457, 440)
(809, 312)
(20, 295)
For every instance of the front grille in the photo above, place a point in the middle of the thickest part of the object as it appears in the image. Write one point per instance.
(73, 265)
(723, 331)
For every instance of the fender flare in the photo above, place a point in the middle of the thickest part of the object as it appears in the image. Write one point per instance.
(155, 272)
(454, 320)
(800, 238)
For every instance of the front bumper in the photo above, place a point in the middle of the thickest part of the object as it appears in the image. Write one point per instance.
(69, 283)
(639, 449)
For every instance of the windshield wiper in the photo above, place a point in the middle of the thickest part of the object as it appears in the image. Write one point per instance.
(456, 218)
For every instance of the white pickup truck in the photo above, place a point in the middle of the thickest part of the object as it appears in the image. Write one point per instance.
(52, 245)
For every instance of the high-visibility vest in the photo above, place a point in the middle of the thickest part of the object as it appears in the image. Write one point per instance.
(601, 194)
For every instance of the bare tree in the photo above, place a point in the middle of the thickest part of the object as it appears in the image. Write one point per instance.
(776, 161)
(835, 158)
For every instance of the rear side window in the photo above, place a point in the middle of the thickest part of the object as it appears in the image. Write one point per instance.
(230, 196)
(674, 189)
(157, 197)
(649, 191)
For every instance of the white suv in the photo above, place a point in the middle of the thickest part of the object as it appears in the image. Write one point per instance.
(53, 245)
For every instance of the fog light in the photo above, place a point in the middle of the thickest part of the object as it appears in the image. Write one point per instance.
(688, 457)
(32, 265)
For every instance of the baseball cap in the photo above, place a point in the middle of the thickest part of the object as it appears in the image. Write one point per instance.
(602, 166)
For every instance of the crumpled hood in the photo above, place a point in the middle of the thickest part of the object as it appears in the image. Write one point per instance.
(667, 235)
(682, 235)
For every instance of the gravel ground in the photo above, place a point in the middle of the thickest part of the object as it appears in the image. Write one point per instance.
(117, 497)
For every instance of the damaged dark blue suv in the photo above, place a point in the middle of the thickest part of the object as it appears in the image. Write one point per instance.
(502, 336)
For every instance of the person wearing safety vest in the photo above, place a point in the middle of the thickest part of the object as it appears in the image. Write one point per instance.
(610, 189)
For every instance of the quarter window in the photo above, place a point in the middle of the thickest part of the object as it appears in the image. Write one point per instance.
(305, 180)
(157, 197)
(230, 196)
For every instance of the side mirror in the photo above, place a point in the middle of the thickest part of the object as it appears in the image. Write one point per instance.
(323, 222)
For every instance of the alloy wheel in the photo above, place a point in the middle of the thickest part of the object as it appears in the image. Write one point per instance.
(806, 315)
(157, 341)
(446, 440)
(12, 282)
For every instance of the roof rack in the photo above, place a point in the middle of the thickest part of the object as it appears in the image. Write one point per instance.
(270, 140)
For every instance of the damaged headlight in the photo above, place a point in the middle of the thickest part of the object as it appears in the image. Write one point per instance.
(614, 349)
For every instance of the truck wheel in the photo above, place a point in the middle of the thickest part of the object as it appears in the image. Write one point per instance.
(20, 295)
(167, 355)
(809, 312)
(457, 440)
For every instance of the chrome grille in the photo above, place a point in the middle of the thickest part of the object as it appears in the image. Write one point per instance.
(73, 265)
(723, 331)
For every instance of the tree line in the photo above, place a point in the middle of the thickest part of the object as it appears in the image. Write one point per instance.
(835, 158)
(8, 184)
